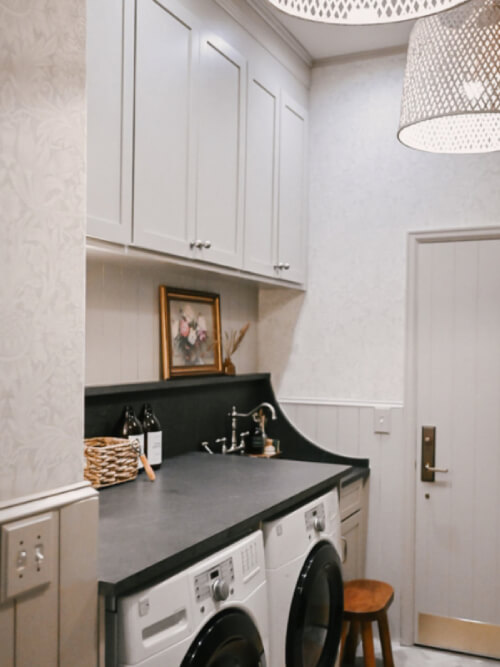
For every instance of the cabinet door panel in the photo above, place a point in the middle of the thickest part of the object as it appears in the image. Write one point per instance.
(352, 528)
(292, 189)
(110, 33)
(261, 224)
(166, 63)
(221, 152)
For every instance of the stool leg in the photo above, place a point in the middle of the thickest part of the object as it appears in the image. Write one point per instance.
(352, 643)
(368, 650)
(343, 636)
(385, 639)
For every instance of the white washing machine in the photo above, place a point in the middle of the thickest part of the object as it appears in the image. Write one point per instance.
(213, 614)
(305, 588)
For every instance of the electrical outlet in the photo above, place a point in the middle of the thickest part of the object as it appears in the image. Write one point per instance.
(382, 420)
(26, 561)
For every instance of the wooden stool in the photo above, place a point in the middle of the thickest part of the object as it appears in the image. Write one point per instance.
(366, 601)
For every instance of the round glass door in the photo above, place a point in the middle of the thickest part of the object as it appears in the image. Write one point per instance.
(315, 620)
(230, 639)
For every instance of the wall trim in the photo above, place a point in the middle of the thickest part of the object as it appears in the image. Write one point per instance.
(340, 402)
(410, 416)
(45, 503)
(240, 15)
(360, 55)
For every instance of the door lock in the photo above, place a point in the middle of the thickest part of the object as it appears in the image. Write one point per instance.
(429, 455)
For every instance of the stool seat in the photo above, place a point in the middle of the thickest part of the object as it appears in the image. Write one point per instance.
(366, 600)
(366, 596)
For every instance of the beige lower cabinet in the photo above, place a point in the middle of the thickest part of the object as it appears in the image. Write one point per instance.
(353, 513)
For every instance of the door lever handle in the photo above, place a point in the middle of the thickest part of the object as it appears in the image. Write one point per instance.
(430, 468)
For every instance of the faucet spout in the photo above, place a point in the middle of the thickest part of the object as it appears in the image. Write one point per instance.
(255, 410)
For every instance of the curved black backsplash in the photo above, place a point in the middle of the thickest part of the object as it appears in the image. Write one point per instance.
(191, 410)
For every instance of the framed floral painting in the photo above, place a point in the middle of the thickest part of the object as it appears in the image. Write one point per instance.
(190, 333)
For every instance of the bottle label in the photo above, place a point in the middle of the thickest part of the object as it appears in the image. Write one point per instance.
(140, 439)
(154, 447)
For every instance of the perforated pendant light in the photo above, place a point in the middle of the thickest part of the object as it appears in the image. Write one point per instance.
(451, 92)
(362, 12)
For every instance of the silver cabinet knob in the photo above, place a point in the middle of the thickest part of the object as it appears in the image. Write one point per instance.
(196, 244)
(220, 590)
(286, 266)
(282, 266)
(207, 244)
(319, 524)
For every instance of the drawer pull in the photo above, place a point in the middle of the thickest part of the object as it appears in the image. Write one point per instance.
(344, 550)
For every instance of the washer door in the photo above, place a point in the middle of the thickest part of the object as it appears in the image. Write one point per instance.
(315, 621)
(229, 639)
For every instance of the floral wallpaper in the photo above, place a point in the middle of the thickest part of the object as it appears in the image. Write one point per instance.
(345, 338)
(42, 204)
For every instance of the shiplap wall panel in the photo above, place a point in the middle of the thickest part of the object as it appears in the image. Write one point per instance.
(37, 616)
(78, 583)
(7, 634)
(350, 430)
(123, 326)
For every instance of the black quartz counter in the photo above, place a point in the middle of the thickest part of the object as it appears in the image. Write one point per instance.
(197, 505)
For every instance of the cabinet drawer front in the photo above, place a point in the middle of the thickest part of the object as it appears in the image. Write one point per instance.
(350, 498)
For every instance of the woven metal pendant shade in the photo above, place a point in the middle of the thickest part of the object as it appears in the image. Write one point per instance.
(451, 92)
(362, 12)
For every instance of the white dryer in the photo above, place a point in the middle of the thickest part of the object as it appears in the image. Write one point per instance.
(305, 588)
(213, 614)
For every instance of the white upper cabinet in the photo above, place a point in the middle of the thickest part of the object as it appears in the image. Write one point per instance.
(293, 156)
(110, 31)
(261, 201)
(167, 53)
(194, 148)
(221, 151)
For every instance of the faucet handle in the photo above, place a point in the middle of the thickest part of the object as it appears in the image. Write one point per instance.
(243, 435)
(223, 441)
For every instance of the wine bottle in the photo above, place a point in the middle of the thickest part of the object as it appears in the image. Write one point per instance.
(153, 436)
(132, 429)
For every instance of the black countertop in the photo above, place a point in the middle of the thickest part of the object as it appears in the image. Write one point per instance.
(198, 504)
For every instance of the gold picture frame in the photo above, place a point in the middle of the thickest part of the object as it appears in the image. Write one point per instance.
(190, 333)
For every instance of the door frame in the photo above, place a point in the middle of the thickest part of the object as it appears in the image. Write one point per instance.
(411, 456)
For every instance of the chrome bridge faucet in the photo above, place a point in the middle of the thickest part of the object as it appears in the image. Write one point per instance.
(234, 423)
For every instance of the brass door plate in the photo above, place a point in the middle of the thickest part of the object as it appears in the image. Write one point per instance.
(428, 452)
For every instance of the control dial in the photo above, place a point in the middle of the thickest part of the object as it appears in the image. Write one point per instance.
(319, 524)
(220, 590)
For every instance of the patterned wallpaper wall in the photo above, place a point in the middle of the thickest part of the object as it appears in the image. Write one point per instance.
(344, 339)
(42, 204)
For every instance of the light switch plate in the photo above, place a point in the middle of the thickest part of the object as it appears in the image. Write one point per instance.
(382, 420)
(26, 555)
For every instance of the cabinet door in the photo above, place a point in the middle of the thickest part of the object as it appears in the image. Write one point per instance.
(352, 531)
(261, 195)
(110, 31)
(292, 191)
(167, 45)
(221, 151)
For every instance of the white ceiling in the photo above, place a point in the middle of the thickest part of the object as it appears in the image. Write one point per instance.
(325, 41)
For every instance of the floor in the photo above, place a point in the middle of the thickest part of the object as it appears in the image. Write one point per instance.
(416, 656)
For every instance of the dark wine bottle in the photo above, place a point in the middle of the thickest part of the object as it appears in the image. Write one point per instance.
(153, 436)
(132, 429)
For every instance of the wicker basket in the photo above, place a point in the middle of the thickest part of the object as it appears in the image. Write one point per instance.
(109, 461)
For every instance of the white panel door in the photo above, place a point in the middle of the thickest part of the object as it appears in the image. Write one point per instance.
(292, 191)
(261, 194)
(221, 151)
(167, 46)
(458, 391)
(110, 35)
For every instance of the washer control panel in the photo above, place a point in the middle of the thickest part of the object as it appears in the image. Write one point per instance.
(215, 583)
(315, 518)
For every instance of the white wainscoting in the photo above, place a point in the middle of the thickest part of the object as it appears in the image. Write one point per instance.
(349, 429)
(123, 326)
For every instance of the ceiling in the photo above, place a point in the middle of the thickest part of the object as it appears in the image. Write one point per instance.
(326, 41)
